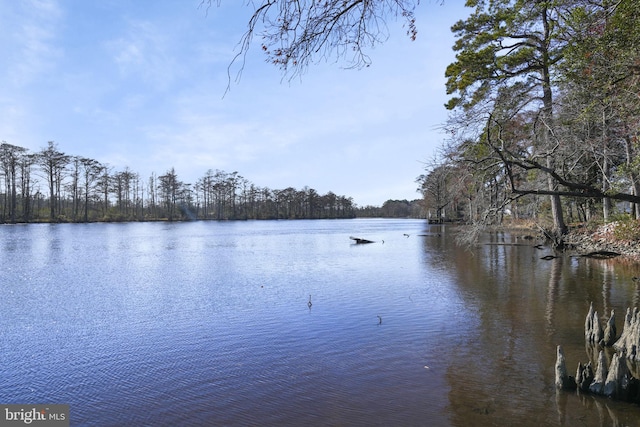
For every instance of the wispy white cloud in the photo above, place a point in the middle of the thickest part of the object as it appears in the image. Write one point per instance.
(142, 87)
(32, 40)
(143, 52)
(10, 124)
(198, 142)
(29, 54)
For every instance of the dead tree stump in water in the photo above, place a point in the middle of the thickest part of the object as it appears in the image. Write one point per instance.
(584, 376)
(619, 380)
(618, 371)
(610, 331)
(563, 380)
(630, 337)
(597, 386)
(593, 332)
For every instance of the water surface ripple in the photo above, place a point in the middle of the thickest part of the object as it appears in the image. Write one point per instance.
(208, 323)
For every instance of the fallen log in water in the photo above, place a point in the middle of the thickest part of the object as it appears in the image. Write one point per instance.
(358, 240)
(601, 254)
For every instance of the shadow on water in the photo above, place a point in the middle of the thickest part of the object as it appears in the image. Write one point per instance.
(522, 307)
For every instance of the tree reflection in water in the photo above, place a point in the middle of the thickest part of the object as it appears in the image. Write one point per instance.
(522, 307)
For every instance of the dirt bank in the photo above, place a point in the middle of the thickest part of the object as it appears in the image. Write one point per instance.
(604, 239)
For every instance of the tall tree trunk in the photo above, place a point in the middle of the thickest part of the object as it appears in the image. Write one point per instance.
(559, 226)
(606, 202)
(52, 198)
(633, 176)
(14, 198)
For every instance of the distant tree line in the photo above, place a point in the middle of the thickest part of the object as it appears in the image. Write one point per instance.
(545, 118)
(51, 186)
(393, 209)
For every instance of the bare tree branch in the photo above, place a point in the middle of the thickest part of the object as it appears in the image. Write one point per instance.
(297, 33)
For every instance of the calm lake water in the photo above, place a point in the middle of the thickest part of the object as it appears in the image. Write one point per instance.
(208, 323)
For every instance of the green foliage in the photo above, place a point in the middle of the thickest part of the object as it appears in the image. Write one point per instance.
(550, 89)
(501, 43)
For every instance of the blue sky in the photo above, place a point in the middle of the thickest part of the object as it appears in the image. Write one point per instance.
(140, 84)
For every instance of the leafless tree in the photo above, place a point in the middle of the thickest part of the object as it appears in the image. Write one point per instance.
(53, 164)
(10, 156)
(296, 33)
